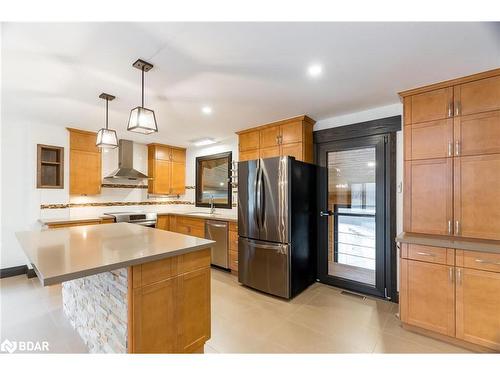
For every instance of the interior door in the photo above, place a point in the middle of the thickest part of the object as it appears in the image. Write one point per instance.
(353, 199)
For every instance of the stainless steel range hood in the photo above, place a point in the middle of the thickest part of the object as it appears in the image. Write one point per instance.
(126, 169)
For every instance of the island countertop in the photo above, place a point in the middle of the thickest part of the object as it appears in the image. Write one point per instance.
(65, 254)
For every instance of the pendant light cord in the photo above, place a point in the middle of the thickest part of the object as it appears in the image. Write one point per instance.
(107, 113)
(142, 86)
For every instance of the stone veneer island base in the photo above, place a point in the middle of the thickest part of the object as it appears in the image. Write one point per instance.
(128, 288)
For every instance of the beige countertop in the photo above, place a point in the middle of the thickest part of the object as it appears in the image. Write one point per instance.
(69, 253)
(69, 219)
(488, 246)
(204, 215)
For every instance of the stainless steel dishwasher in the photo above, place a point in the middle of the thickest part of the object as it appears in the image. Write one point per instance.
(218, 232)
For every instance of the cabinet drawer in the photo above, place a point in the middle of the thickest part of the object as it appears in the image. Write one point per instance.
(191, 222)
(233, 240)
(233, 260)
(479, 260)
(431, 254)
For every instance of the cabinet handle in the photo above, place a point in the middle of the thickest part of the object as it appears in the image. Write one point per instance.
(459, 276)
(485, 261)
(457, 227)
(457, 108)
(450, 110)
(427, 254)
(450, 148)
(451, 275)
(457, 148)
(449, 226)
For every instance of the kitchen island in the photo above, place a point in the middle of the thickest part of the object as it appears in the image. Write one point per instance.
(128, 288)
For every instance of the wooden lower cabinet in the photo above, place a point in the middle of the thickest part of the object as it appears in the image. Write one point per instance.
(169, 304)
(162, 222)
(478, 307)
(233, 247)
(457, 297)
(428, 295)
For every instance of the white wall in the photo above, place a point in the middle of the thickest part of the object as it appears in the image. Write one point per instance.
(373, 114)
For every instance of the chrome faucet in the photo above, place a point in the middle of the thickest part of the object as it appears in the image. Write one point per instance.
(211, 203)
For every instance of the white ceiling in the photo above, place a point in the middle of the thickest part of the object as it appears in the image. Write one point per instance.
(250, 73)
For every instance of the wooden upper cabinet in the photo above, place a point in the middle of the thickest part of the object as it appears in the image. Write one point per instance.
(429, 140)
(478, 307)
(290, 137)
(85, 176)
(478, 96)
(428, 198)
(477, 134)
(477, 196)
(270, 137)
(291, 132)
(249, 140)
(167, 169)
(432, 105)
(428, 296)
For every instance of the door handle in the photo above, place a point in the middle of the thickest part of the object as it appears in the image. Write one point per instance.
(326, 213)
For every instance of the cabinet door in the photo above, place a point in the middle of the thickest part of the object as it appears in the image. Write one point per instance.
(478, 307)
(293, 149)
(194, 310)
(477, 196)
(162, 222)
(269, 152)
(428, 295)
(269, 136)
(162, 177)
(162, 152)
(178, 185)
(432, 105)
(478, 96)
(429, 140)
(178, 155)
(154, 314)
(83, 141)
(85, 172)
(249, 155)
(292, 132)
(249, 140)
(477, 134)
(428, 204)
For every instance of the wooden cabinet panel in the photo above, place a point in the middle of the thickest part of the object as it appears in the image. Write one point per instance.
(431, 254)
(292, 132)
(429, 140)
(478, 96)
(477, 134)
(84, 172)
(428, 295)
(194, 304)
(154, 315)
(293, 149)
(478, 307)
(162, 222)
(162, 177)
(269, 136)
(476, 196)
(178, 155)
(178, 184)
(428, 204)
(432, 105)
(249, 155)
(249, 141)
(269, 152)
(233, 240)
(233, 260)
(83, 140)
(479, 260)
(189, 226)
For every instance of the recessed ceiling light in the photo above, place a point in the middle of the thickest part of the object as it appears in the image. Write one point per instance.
(206, 110)
(204, 142)
(370, 164)
(315, 70)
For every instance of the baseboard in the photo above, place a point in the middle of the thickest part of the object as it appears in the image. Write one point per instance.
(30, 272)
(13, 271)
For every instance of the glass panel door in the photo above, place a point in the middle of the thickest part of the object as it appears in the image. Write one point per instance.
(351, 199)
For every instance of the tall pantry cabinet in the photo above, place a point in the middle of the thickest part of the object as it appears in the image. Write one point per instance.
(450, 251)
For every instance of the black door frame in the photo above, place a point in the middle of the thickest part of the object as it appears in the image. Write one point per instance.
(385, 128)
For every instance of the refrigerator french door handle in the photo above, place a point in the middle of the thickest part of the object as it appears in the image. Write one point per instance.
(262, 203)
(257, 196)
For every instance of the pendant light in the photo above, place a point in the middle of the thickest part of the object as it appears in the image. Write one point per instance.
(142, 120)
(106, 138)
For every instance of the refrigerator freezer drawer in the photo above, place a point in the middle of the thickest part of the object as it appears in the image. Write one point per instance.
(264, 266)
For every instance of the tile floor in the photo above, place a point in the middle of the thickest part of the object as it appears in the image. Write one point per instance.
(320, 320)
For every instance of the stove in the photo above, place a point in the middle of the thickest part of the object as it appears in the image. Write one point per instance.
(147, 219)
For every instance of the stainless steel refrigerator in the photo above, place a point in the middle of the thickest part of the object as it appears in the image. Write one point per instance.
(277, 225)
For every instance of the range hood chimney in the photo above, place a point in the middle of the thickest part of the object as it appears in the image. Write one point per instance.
(126, 169)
